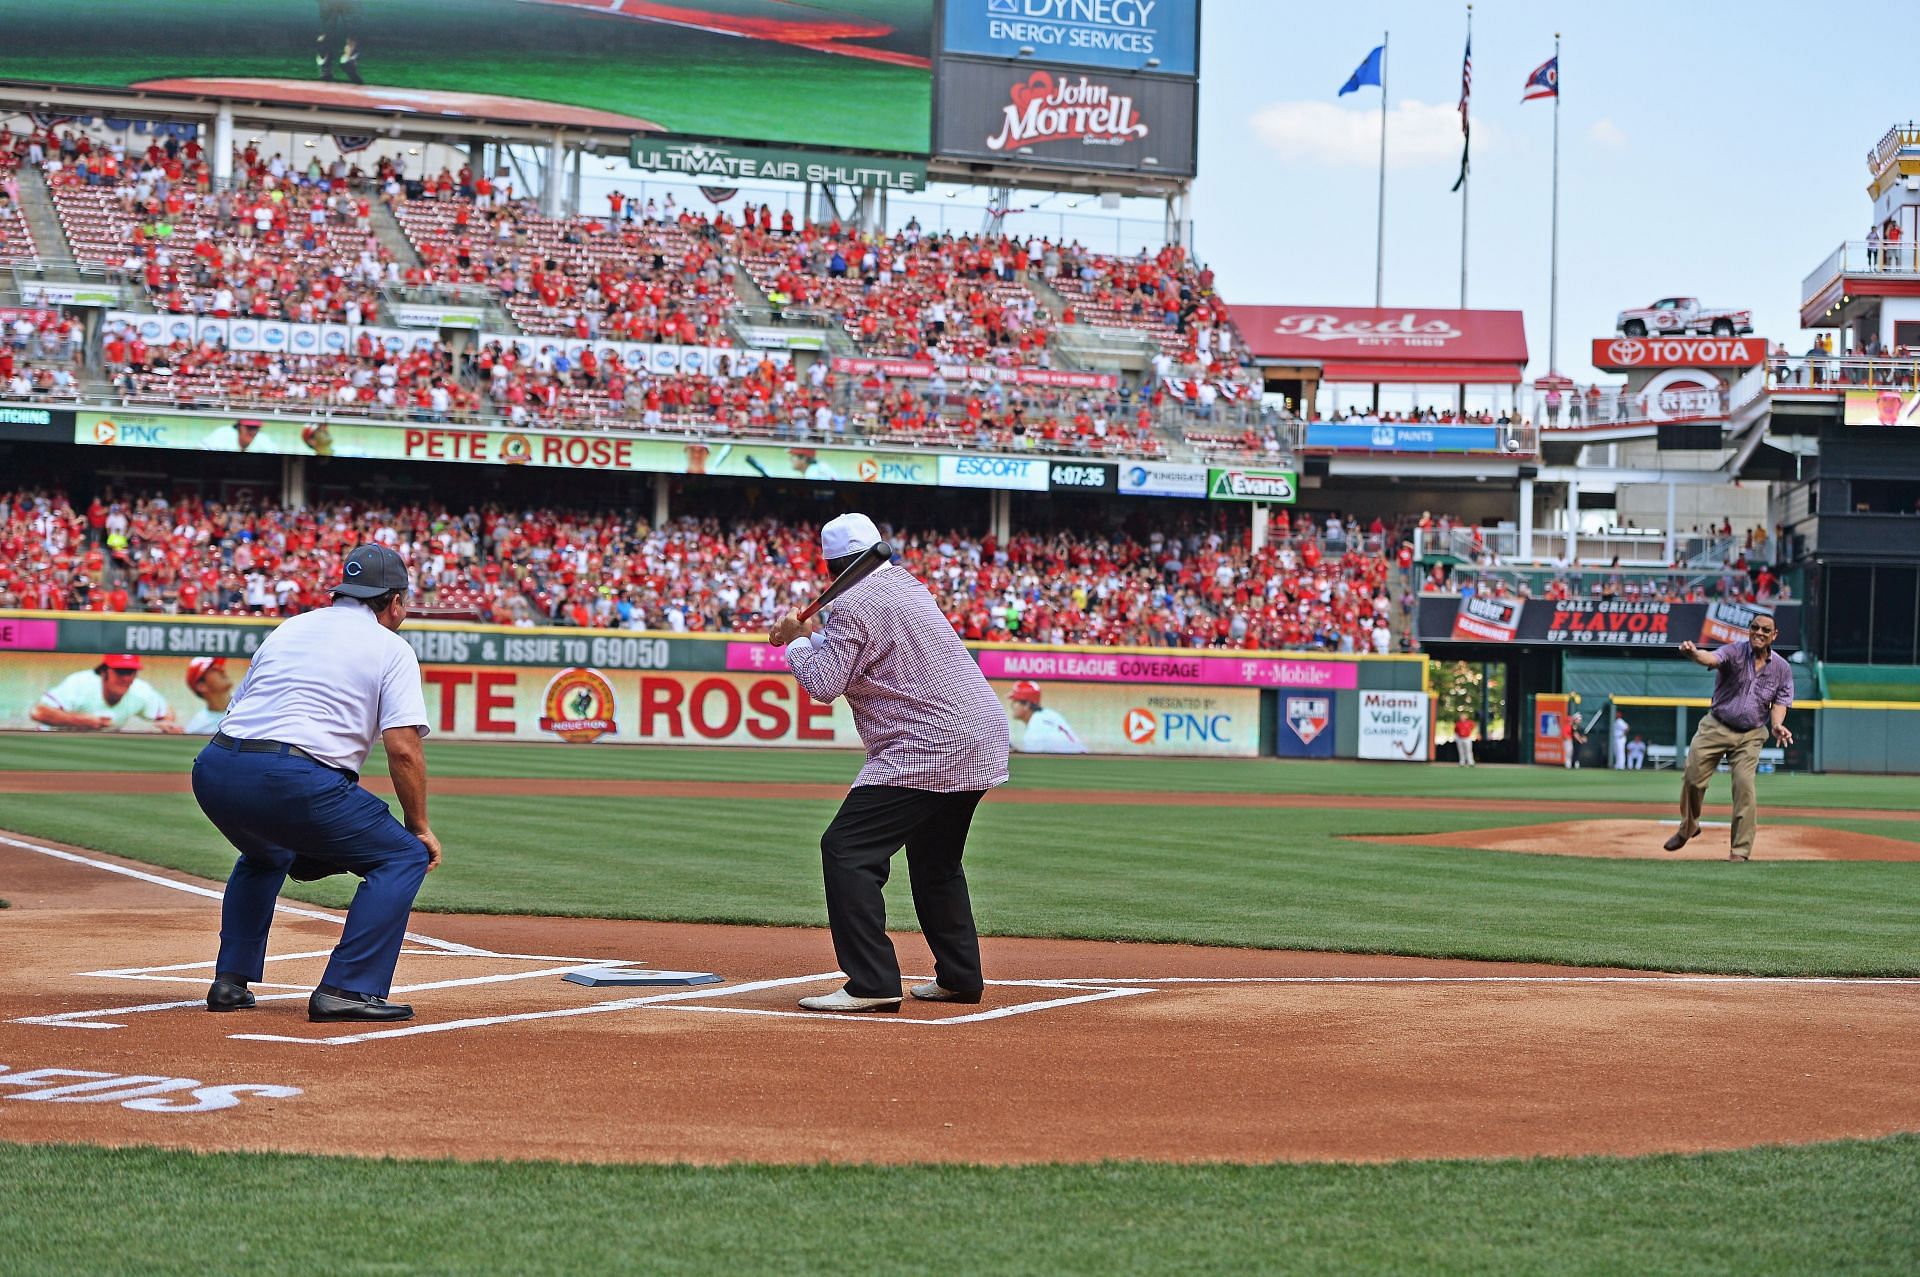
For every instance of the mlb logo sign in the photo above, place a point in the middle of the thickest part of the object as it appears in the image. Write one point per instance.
(1307, 716)
(1305, 728)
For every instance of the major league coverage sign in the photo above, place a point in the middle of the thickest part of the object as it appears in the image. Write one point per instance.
(1395, 726)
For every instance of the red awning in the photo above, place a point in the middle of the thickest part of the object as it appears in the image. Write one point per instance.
(1434, 374)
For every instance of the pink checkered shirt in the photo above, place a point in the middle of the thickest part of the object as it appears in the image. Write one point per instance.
(921, 706)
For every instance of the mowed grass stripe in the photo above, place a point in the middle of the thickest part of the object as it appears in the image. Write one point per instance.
(38, 751)
(1846, 1207)
(1231, 877)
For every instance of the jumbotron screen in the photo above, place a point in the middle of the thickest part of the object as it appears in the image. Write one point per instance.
(832, 73)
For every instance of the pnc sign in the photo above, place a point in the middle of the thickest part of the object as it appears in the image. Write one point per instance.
(1618, 354)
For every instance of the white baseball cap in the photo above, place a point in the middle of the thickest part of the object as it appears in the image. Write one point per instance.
(848, 534)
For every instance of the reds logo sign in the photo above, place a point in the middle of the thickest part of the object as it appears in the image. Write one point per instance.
(1307, 716)
(1684, 394)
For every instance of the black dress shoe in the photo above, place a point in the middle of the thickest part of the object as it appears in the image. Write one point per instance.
(329, 1003)
(228, 992)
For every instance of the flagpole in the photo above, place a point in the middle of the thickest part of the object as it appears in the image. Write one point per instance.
(1466, 186)
(1380, 216)
(1466, 183)
(1553, 287)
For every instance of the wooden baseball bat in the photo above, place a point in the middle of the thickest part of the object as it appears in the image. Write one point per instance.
(871, 560)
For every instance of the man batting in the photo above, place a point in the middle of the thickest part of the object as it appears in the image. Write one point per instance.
(1752, 691)
(936, 741)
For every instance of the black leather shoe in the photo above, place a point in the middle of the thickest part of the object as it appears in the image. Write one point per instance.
(1679, 840)
(329, 1003)
(228, 993)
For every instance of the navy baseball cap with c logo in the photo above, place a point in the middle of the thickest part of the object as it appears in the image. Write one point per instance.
(371, 571)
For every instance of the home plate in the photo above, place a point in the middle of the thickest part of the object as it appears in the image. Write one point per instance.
(635, 977)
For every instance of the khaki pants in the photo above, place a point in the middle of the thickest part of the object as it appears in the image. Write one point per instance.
(1712, 741)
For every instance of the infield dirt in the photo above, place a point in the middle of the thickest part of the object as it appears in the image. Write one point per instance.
(1145, 1051)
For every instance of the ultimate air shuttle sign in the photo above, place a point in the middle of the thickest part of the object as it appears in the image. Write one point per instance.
(1155, 36)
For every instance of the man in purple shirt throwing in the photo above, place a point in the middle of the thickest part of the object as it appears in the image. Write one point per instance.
(936, 741)
(1752, 690)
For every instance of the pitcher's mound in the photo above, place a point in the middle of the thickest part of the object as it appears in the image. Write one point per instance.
(1642, 839)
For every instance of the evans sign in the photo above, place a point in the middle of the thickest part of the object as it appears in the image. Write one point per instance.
(1119, 35)
(1620, 354)
(1279, 486)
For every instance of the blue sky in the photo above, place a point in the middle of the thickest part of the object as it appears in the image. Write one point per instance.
(1714, 150)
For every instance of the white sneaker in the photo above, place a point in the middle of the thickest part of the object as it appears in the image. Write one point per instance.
(932, 992)
(841, 1000)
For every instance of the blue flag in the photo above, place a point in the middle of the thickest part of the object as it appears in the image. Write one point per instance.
(1367, 73)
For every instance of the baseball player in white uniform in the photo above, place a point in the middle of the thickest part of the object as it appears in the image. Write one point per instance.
(106, 698)
(1047, 732)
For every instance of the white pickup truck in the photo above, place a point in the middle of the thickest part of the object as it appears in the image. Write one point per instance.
(1681, 316)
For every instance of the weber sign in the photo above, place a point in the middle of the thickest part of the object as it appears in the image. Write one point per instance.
(1060, 118)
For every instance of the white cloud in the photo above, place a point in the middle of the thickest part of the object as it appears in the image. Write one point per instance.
(1607, 135)
(1418, 133)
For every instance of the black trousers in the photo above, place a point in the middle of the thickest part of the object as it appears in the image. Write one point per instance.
(855, 854)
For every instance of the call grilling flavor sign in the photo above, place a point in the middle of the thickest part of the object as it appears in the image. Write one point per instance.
(1595, 622)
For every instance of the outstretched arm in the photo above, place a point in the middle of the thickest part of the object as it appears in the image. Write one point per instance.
(407, 764)
(1699, 655)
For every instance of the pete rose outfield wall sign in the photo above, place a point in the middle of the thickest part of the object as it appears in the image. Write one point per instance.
(1060, 118)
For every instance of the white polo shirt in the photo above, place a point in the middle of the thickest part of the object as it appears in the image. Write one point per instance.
(1048, 733)
(329, 681)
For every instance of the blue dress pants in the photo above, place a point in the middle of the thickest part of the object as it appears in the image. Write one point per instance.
(279, 808)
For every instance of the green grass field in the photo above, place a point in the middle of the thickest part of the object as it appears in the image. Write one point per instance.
(1178, 871)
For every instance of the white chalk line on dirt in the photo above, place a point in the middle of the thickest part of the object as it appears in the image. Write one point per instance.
(483, 1021)
(195, 889)
(1864, 981)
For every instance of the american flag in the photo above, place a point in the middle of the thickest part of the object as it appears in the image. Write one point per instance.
(1466, 94)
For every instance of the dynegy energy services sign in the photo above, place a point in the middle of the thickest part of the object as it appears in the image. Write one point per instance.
(1117, 35)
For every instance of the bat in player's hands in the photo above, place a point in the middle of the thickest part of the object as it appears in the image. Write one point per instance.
(790, 627)
(871, 560)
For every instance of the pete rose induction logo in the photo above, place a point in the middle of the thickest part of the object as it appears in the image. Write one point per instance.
(578, 706)
(1049, 110)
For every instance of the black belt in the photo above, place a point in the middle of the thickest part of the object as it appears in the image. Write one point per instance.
(266, 747)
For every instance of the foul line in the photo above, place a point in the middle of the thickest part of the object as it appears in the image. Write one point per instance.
(195, 889)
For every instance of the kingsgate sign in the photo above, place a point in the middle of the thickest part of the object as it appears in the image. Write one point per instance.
(1620, 353)
(1048, 110)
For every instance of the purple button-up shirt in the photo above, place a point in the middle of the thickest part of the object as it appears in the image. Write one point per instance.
(922, 708)
(1742, 695)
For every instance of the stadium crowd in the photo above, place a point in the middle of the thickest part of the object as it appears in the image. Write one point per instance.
(1191, 586)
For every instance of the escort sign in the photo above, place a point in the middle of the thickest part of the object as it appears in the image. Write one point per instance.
(1118, 35)
(1014, 474)
(1384, 436)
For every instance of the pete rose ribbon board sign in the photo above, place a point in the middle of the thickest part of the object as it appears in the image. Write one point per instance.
(1054, 117)
(1625, 354)
(1394, 727)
